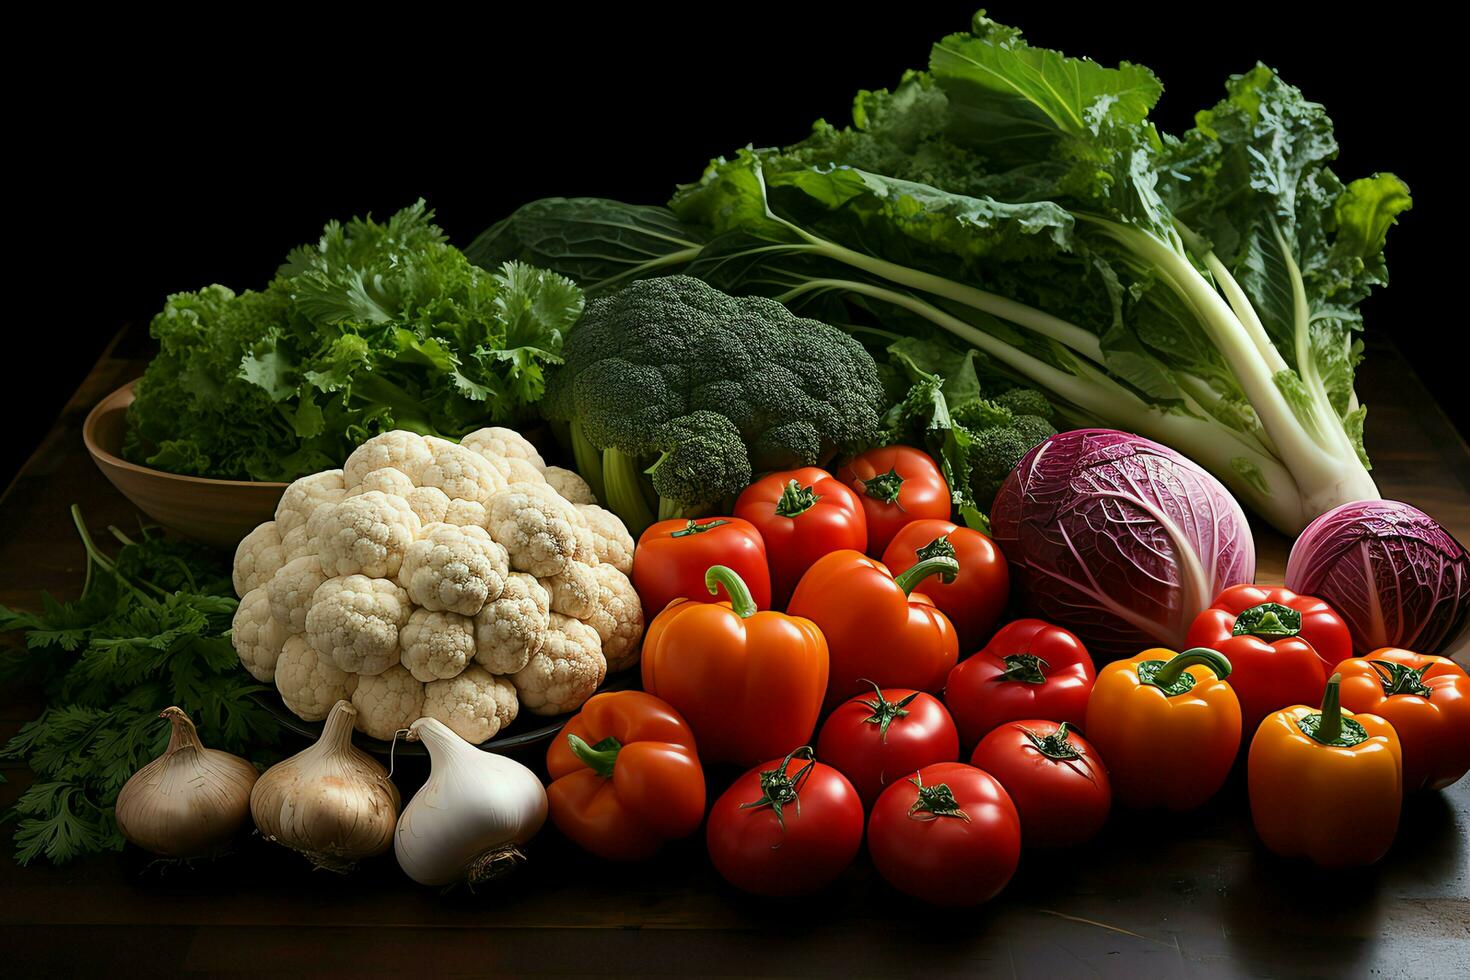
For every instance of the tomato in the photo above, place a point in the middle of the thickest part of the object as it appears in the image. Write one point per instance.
(801, 515)
(974, 598)
(876, 739)
(948, 835)
(789, 827)
(1029, 669)
(1055, 778)
(896, 484)
(672, 557)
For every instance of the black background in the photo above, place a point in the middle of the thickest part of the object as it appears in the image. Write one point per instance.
(202, 152)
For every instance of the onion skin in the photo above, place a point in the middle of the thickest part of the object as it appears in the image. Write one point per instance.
(332, 801)
(189, 802)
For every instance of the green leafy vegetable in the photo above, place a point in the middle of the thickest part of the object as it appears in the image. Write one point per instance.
(1200, 290)
(150, 629)
(376, 326)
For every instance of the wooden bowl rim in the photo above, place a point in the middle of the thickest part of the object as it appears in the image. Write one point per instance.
(122, 398)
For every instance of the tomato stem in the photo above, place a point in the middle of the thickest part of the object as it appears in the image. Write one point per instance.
(740, 598)
(1027, 668)
(1269, 621)
(935, 801)
(884, 486)
(937, 565)
(885, 712)
(600, 758)
(779, 790)
(694, 527)
(1054, 746)
(796, 500)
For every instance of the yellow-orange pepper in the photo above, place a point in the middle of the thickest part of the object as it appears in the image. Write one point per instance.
(1325, 784)
(1167, 726)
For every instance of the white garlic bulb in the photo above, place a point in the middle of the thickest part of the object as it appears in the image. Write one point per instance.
(332, 802)
(189, 801)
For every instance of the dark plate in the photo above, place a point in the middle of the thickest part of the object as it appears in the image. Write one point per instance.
(527, 729)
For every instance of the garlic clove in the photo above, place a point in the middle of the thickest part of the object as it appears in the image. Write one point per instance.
(190, 801)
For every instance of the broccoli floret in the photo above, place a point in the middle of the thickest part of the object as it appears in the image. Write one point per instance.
(1027, 401)
(996, 451)
(647, 367)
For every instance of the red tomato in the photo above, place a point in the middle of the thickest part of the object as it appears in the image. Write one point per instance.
(789, 827)
(949, 835)
(974, 599)
(1029, 669)
(896, 484)
(802, 515)
(672, 557)
(1054, 777)
(876, 739)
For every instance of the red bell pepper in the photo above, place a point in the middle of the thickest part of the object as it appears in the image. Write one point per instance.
(1267, 635)
(1426, 699)
(801, 515)
(1029, 669)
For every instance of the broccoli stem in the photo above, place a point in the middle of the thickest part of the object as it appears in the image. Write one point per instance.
(623, 479)
(588, 459)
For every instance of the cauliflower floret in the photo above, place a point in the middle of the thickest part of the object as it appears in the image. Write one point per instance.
(521, 471)
(305, 496)
(618, 618)
(512, 628)
(366, 534)
(565, 671)
(459, 472)
(310, 683)
(454, 568)
(504, 443)
(290, 590)
(465, 513)
(354, 622)
(297, 543)
(404, 451)
(537, 527)
(258, 556)
(574, 591)
(427, 502)
(475, 705)
(388, 702)
(257, 636)
(569, 485)
(437, 645)
(386, 480)
(611, 541)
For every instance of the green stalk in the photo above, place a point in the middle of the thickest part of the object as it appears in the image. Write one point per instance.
(740, 598)
(623, 479)
(600, 758)
(909, 579)
(1170, 675)
(588, 459)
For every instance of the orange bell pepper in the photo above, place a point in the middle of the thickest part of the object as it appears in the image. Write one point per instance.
(879, 631)
(1325, 784)
(1426, 699)
(1167, 726)
(749, 683)
(625, 776)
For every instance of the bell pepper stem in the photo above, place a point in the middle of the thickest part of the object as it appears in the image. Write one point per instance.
(1269, 621)
(1213, 659)
(600, 758)
(740, 598)
(796, 500)
(1329, 729)
(937, 565)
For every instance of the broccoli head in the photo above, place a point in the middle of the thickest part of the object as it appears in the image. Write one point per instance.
(649, 368)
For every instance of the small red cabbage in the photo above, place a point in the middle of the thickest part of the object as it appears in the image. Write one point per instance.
(1119, 539)
(1391, 571)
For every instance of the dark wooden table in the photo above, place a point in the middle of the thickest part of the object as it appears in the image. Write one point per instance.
(1156, 895)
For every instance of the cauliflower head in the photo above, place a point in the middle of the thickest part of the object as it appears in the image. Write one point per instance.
(302, 498)
(569, 485)
(475, 705)
(365, 535)
(537, 527)
(574, 591)
(453, 568)
(611, 542)
(388, 702)
(403, 451)
(504, 443)
(310, 683)
(437, 645)
(459, 472)
(512, 628)
(354, 622)
(256, 635)
(618, 618)
(565, 671)
(258, 556)
(290, 591)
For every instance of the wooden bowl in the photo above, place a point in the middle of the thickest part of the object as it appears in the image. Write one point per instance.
(214, 512)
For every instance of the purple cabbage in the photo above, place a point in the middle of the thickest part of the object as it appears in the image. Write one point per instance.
(1119, 539)
(1390, 570)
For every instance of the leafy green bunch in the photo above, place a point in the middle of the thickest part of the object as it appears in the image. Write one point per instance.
(374, 327)
(150, 629)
